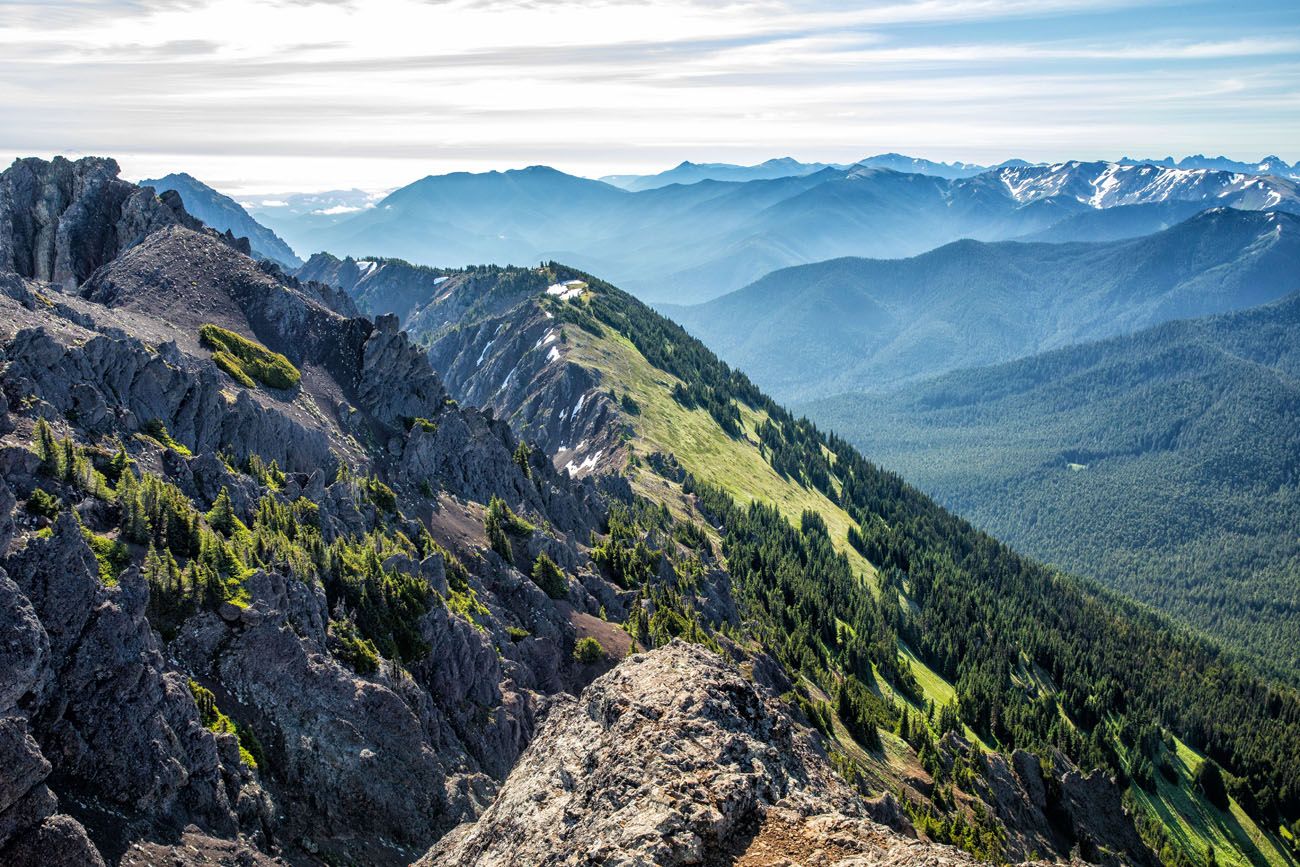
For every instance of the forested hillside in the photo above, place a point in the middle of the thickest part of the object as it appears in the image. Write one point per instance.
(872, 324)
(1036, 660)
(1163, 463)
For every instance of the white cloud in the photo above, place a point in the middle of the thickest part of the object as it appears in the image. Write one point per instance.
(300, 95)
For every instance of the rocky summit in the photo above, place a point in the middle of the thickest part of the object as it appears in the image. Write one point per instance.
(674, 758)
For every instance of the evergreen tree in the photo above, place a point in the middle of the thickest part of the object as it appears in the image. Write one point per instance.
(221, 516)
(47, 448)
(547, 575)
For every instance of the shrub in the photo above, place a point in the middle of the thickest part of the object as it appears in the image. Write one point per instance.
(111, 556)
(247, 361)
(501, 523)
(588, 650)
(517, 633)
(356, 651)
(547, 575)
(42, 502)
(381, 495)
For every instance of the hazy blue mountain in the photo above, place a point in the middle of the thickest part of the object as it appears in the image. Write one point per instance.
(916, 165)
(1165, 463)
(692, 242)
(297, 217)
(870, 324)
(1118, 223)
(688, 172)
(224, 213)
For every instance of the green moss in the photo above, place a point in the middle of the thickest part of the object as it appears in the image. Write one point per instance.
(250, 750)
(246, 361)
(157, 431)
(111, 555)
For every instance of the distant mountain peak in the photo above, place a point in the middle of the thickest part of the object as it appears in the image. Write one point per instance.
(225, 214)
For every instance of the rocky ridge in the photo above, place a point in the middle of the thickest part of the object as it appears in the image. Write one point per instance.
(673, 758)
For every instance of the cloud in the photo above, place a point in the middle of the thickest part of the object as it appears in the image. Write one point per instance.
(425, 86)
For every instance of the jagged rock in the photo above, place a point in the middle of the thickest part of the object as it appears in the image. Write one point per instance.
(61, 220)
(396, 382)
(673, 758)
(59, 841)
(1105, 832)
(196, 849)
(1018, 796)
(114, 718)
(353, 757)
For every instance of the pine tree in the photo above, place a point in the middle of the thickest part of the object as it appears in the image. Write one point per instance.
(67, 460)
(521, 456)
(118, 464)
(222, 514)
(547, 575)
(47, 448)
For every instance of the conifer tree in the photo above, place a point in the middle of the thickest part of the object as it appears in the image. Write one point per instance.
(222, 515)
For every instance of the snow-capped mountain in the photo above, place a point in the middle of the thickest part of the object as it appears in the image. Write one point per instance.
(1107, 185)
(1269, 165)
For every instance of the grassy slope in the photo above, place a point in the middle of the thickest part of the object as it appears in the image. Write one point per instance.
(699, 444)
(1194, 824)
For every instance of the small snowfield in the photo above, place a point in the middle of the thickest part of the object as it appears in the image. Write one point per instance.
(568, 290)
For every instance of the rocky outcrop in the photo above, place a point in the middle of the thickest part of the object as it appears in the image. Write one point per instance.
(110, 384)
(61, 220)
(1103, 827)
(673, 758)
(517, 364)
(116, 721)
(1052, 812)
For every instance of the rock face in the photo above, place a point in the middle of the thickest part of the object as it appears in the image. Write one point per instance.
(495, 347)
(671, 759)
(61, 220)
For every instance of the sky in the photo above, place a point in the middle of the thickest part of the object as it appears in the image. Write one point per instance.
(261, 96)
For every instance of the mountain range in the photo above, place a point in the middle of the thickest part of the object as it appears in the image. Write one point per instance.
(725, 234)
(873, 324)
(689, 173)
(1270, 165)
